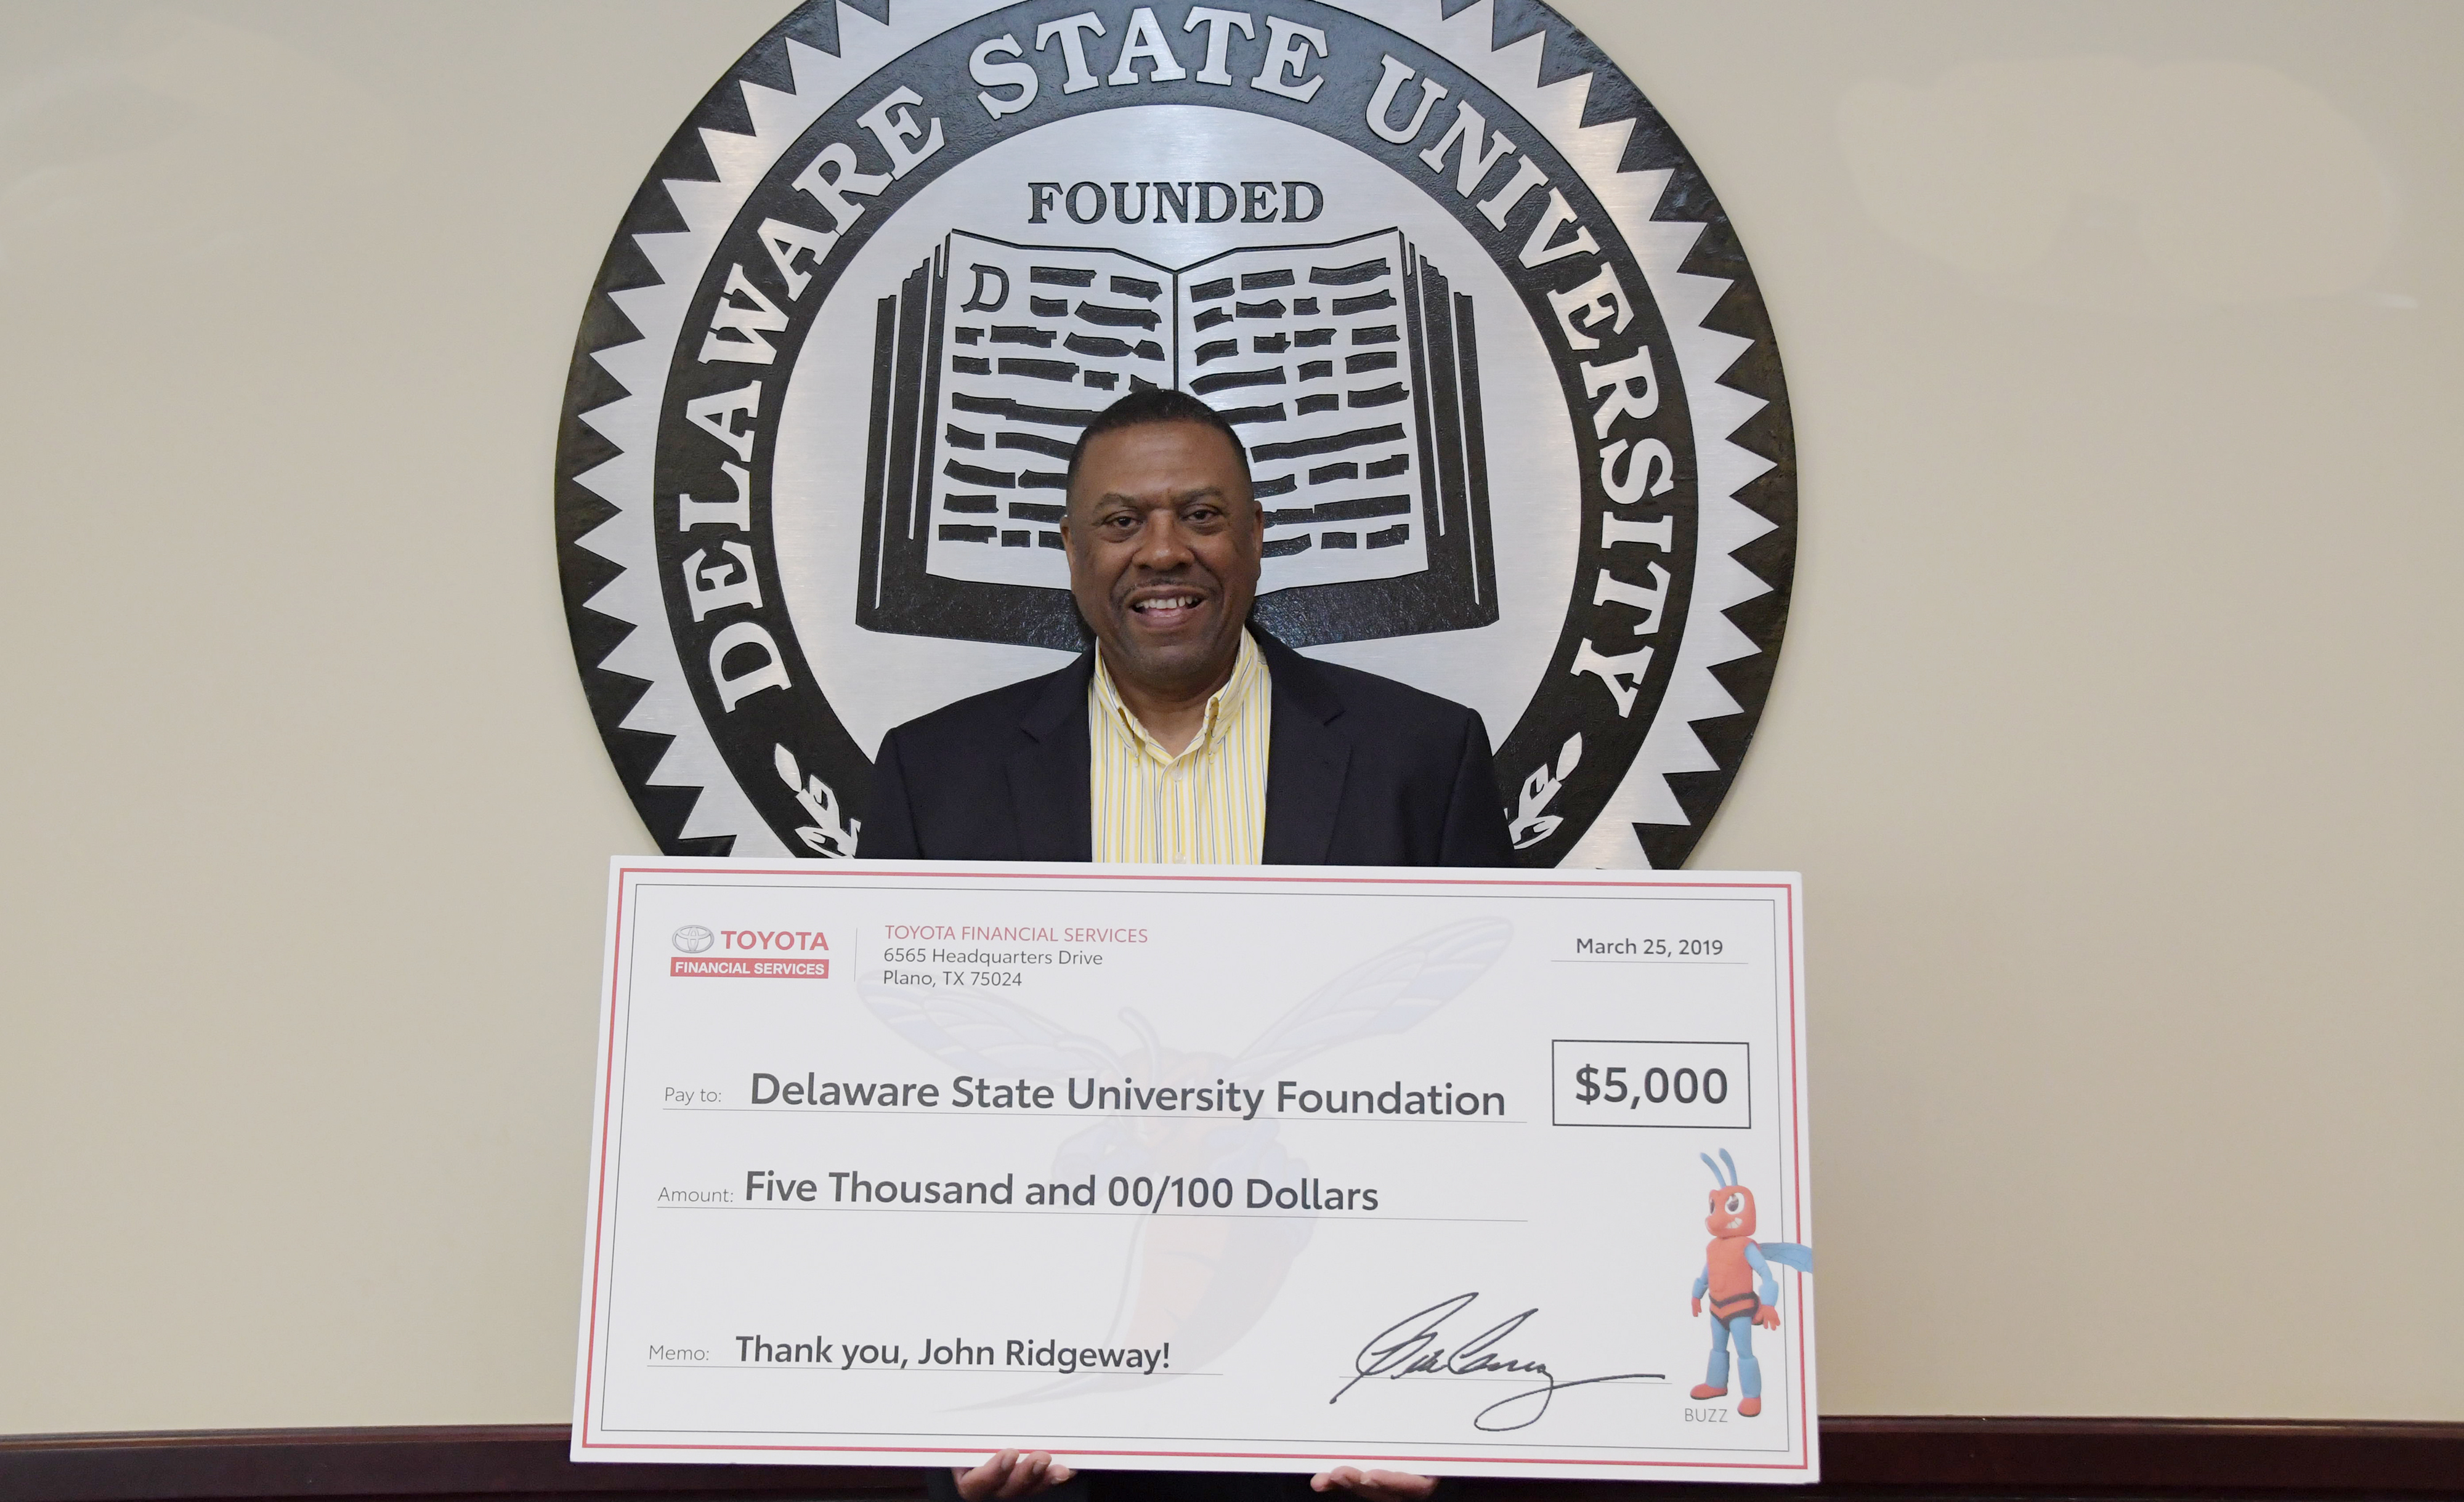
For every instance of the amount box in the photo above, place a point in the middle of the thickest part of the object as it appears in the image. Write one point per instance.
(1614, 1082)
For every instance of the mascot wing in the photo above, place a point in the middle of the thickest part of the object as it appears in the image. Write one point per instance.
(977, 1032)
(1387, 994)
(1789, 1253)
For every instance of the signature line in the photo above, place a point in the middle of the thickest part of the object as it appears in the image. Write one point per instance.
(1410, 1347)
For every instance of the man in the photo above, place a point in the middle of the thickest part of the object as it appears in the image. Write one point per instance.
(1186, 736)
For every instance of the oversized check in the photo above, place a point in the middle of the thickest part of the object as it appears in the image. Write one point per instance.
(1232, 1168)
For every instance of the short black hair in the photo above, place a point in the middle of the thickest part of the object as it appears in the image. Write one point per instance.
(1155, 404)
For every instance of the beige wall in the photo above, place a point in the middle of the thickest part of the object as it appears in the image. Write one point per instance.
(2117, 730)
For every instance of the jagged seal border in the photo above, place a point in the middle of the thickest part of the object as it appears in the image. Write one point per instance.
(1559, 80)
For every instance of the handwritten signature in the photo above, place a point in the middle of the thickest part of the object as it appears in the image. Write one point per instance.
(1410, 1347)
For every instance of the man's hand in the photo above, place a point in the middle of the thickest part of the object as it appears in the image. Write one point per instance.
(1376, 1486)
(1698, 1308)
(1767, 1317)
(1010, 1474)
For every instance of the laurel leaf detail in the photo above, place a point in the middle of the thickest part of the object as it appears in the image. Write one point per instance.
(1531, 822)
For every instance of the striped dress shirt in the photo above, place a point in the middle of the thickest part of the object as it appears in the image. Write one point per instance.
(1206, 806)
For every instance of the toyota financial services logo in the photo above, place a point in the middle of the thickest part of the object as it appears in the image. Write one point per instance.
(1509, 391)
(695, 938)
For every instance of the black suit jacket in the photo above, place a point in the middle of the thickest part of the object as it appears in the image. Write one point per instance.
(1360, 770)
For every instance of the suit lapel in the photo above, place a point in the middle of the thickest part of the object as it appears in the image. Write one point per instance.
(1049, 771)
(1307, 757)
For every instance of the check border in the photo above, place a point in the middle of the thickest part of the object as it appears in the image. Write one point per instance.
(587, 1444)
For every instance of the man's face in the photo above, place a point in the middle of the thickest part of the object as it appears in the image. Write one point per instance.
(1163, 538)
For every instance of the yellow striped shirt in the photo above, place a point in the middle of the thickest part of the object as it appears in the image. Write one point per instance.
(1206, 806)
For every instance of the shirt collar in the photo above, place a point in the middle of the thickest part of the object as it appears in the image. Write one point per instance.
(1222, 708)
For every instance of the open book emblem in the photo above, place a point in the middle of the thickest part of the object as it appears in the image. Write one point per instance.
(1350, 370)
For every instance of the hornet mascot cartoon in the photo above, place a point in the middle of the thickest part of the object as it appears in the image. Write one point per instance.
(1734, 1264)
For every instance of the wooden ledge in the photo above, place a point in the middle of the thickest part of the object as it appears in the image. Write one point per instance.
(1861, 1457)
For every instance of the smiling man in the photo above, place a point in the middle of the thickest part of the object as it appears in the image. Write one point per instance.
(1187, 735)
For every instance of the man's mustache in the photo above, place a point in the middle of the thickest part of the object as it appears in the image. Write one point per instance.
(1194, 579)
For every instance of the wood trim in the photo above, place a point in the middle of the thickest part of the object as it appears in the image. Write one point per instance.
(475, 1461)
(1863, 1457)
(2343, 1459)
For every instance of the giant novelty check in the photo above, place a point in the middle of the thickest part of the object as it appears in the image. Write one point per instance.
(1233, 1168)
